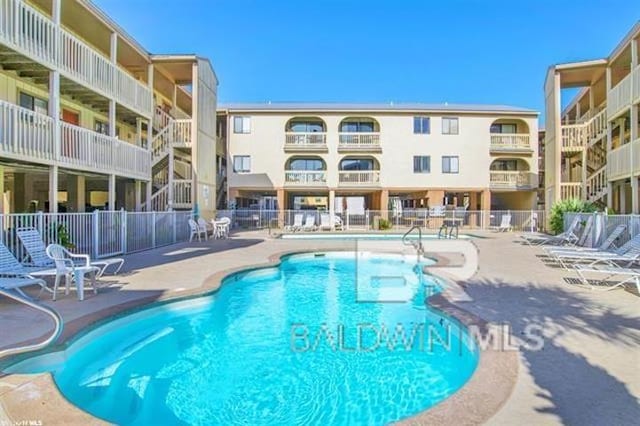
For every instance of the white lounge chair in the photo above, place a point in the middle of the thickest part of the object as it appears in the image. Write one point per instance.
(15, 275)
(564, 238)
(627, 254)
(297, 223)
(309, 223)
(17, 282)
(37, 256)
(195, 231)
(67, 268)
(505, 224)
(325, 222)
(337, 223)
(607, 244)
(626, 274)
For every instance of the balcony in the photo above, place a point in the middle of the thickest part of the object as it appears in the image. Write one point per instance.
(623, 94)
(305, 178)
(624, 161)
(570, 190)
(29, 136)
(510, 143)
(359, 178)
(182, 194)
(305, 142)
(513, 180)
(33, 35)
(359, 142)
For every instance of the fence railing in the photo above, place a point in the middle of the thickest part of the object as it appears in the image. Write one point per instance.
(363, 141)
(100, 233)
(305, 140)
(602, 225)
(510, 142)
(367, 220)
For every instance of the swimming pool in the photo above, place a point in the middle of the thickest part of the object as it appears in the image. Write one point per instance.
(293, 344)
(358, 236)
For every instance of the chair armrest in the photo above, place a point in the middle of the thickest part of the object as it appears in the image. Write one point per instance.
(86, 258)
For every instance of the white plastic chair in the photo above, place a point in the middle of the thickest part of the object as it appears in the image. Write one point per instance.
(204, 227)
(195, 231)
(297, 223)
(325, 222)
(66, 267)
(309, 223)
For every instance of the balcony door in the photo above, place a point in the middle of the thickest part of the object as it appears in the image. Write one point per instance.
(69, 148)
(70, 117)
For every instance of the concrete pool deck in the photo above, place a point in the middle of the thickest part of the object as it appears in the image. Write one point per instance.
(587, 373)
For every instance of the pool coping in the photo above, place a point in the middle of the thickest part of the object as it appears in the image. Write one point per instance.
(37, 397)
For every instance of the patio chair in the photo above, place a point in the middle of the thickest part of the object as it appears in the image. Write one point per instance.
(309, 223)
(15, 275)
(564, 238)
(67, 268)
(606, 244)
(625, 275)
(337, 223)
(195, 230)
(325, 222)
(204, 227)
(297, 223)
(505, 224)
(627, 254)
(36, 253)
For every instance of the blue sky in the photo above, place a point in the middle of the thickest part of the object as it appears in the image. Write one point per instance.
(456, 51)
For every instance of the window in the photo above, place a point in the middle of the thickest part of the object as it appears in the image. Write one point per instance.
(101, 127)
(449, 125)
(305, 126)
(503, 128)
(356, 164)
(34, 104)
(422, 164)
(357, 126)
(242, 163)
(421, 125)
(450, 165)
(309, 164)
(241, 124)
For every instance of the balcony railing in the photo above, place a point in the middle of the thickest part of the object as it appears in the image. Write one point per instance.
(513, 180)
(34, 35)
(510, 142)
(366, 141)
(305, 178)
(569, 190)
(305, 141)
(624, 160)
(182, 194)
(359, 178)
(624, 93)
(29, 136)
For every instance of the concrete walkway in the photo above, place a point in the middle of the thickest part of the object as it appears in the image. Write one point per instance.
(588, 372)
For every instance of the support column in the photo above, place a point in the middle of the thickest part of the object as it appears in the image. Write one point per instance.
(557, 138)
(195, 117)
(635, 203)
(76, 193)
(138, 195)
(384, 204)
(112, 103)
(281, 198)
(53, 189)
(170, 172)
(148, 192)
(332, 202)
(2, 203)
(112, 192)
(485, 205)
(609, 138)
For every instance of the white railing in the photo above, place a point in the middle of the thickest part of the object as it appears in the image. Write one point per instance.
(161, 119)
(24, 134)
(596, 184)
(29, 32)
(308, 140)
(182, 193)
(175, 133)
(99, 233)
(358, 178)
(364, 141)
(29, 136)
(619, 161)
(159, 201)
(574, 136)
(182, 132)
(305, 177)
(570, 190)
(597, 125)
(620, 96)
(635, 76)
(512, 179)
(510, 142)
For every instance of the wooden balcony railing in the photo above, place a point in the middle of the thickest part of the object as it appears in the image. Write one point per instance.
(359, 178)
(510, 142)
(29, 136)
(305, 178)
(305, 141)
(624, 93)
(512, 180)
(359, 141)
(32, 34)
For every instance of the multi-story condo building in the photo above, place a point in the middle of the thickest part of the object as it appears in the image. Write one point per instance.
(592, 146)
(90, 119)
(372, 156)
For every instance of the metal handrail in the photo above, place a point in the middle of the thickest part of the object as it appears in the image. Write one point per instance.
(417, 245)
(57, 319)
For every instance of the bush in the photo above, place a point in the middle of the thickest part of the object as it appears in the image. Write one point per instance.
(384, 224)
(558, 210)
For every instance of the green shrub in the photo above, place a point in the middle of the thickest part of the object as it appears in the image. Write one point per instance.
(558, 210)
(384, 224)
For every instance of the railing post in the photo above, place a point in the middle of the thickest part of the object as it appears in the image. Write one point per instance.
(174, 226)
(96, 232)
(40, 221)
(123, 230)
(153, 229)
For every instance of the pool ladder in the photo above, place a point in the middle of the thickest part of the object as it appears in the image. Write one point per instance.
(416, 244)
(57, 319)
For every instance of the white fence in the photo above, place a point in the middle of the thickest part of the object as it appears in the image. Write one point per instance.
(100, 233)
(527, 220)
(602, 225)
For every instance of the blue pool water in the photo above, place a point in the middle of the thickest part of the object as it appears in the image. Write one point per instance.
(287, 345)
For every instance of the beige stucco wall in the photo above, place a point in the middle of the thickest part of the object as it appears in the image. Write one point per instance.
(265, 145)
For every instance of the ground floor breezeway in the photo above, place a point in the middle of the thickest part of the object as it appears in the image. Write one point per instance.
(380, 199)
(29, 188)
